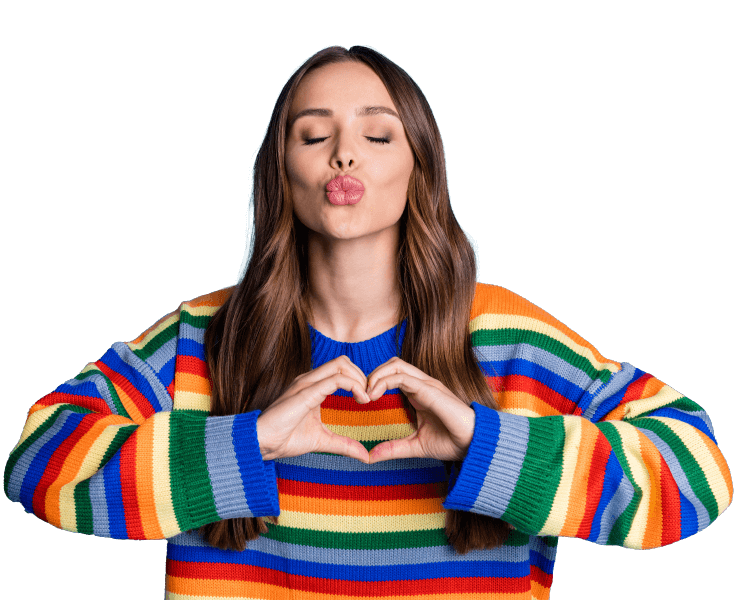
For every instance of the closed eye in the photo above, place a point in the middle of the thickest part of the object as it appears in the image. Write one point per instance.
(382, 140)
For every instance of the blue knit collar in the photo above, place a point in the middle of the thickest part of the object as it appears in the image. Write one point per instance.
(367, 354)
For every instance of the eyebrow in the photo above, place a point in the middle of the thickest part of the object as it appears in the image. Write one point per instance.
(364, 111)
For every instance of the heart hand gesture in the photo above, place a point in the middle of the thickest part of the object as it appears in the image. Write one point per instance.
(445, 423)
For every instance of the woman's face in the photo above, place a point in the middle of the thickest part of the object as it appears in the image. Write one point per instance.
(339, 141)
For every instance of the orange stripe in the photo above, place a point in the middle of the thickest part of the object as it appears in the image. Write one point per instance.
(652, 387)
(510, 400)
(145, 481)
(361, 508)
(216, 298)
(579, 486)
(128, 404)
(354, 418)
(719, 459)
(187, 382)
(652, 459)
(73, 463)
(223, 588)
(495, 299)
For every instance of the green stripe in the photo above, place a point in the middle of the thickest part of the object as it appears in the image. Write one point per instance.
(37, 433)
(83, 507)
(199, 321)
(682, 403)
(158, 341)
(623, 523)
(192, 495)
(114, 395)
(505, 337)
(372, 541)
(689, 464)
(539, 477)
(83, 504)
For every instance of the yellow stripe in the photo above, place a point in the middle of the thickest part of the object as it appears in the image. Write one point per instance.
(524, 412)
(161, 474)
(496, 321)
(641, 475)
(666, 395)
(373, 432)
(355, 524)
(90, 466)
(191, 401)
(175, 316)
(559, 510)
(204, 310)
(696, 442)
(34, 421)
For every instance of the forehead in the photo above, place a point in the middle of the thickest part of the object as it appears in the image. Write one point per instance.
(333, 86)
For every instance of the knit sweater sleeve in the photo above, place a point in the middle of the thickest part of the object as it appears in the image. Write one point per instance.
(106, 454)
(583, 446)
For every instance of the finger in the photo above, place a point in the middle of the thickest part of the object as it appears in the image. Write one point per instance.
(393, 366)
(403, 381)
(407, 447)
(321, 389)
(345, 360)
(339, 444)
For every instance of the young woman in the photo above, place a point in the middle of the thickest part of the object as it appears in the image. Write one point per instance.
(359, 416)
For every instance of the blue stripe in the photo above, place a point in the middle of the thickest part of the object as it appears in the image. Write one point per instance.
(259, 481)
(540, 374)
(223, 468)
(40, 462)
(394, 572)
(386, 473)
(131, 372)
(689, 519)
(114, 497)
(612, 476)
(537, 560)
(186, 347)
(680, 415)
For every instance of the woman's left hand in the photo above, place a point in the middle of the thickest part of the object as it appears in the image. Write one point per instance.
(444, 423)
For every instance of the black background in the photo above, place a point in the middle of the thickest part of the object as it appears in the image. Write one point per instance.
(591, 183)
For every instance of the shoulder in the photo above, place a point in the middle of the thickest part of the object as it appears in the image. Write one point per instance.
(197, 312)
(497, 311)
(495, 300)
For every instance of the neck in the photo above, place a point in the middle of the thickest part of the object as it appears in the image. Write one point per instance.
(353, 289)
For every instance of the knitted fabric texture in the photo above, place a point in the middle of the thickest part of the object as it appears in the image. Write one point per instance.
(582, 447)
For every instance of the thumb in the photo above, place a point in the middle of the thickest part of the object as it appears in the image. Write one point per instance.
(402, 448)
(339, 444)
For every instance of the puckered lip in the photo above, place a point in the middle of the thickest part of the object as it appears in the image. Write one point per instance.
(344, 183)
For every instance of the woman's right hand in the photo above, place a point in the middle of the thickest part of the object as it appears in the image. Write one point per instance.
(292, 425)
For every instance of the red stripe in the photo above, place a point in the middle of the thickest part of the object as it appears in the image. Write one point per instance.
(406, 587)
(139, 399)
(56, 461)
(129, 495)
(635, 389)
(522, 383)
(192, 365)
(599, 458)
(670, 506)
(538, 575)
(97, 405)
(385, 402)
(366, 492)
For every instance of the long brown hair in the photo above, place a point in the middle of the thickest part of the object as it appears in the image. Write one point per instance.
(258, 341)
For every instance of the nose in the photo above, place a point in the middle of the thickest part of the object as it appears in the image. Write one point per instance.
(344, 153)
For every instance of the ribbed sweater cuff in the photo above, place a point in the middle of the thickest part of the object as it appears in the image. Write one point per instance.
(491, 470)
(222, 472)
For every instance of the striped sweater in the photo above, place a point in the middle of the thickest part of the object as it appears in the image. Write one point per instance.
(582, 447)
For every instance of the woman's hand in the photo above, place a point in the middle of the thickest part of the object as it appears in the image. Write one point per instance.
(444, 422)
(292, 425)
